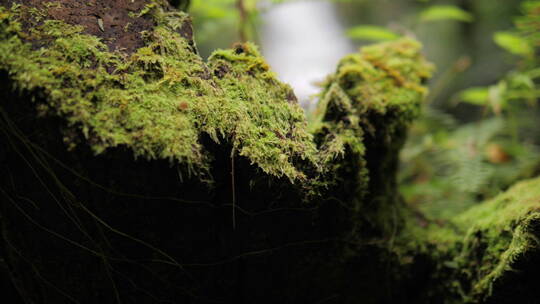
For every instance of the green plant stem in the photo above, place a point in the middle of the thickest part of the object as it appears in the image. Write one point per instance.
(243, 15)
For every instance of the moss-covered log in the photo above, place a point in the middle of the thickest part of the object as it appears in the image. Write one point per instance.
(134, 171)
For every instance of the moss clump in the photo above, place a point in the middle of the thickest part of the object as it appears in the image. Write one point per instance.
(109, 98)
(383, 79)
(501, 234)
(372, 94)
(268, 125)
(158, 100)
(162, 98)
(477, 251)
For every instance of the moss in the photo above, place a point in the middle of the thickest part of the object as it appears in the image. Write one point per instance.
(159, 100)
(267, 124)
(380, 79)
(476, 250)
(500, 233)
(360, 126)
(112, 100)
(162, 99)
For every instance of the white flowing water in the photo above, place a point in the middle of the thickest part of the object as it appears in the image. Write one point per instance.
(303, 41)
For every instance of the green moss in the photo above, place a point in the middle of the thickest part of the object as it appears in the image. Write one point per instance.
(159, 100)
(380, 79)
(267, 124)
(500, 233)
(475, 250)
(111, 99)
(367, 104)
(162, 98)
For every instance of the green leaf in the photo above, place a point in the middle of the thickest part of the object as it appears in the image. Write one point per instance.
(445, 12)
(495, 96)
(521, 81)
(371, 32)
(513, 43)
(498, 97)
(477, 96)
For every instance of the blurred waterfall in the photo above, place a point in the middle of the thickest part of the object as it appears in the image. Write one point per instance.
(303, 41)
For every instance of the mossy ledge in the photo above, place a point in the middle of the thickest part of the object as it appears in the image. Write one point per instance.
(487, 254)
(297, 211)
(160, 99)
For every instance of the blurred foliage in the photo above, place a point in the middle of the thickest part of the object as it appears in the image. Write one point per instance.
(371, 32)
(430, 14)
(218, 23)
(445, 12)
(447, 165)
(480, 130)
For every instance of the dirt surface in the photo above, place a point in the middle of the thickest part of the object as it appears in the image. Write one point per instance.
(106, 19)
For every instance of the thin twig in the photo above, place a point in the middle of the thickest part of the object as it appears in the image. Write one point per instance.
(242, 33)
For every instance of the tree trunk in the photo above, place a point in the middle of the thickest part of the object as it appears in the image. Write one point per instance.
(135, 172)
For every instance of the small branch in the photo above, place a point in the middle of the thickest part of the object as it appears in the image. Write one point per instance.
(242, 26)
